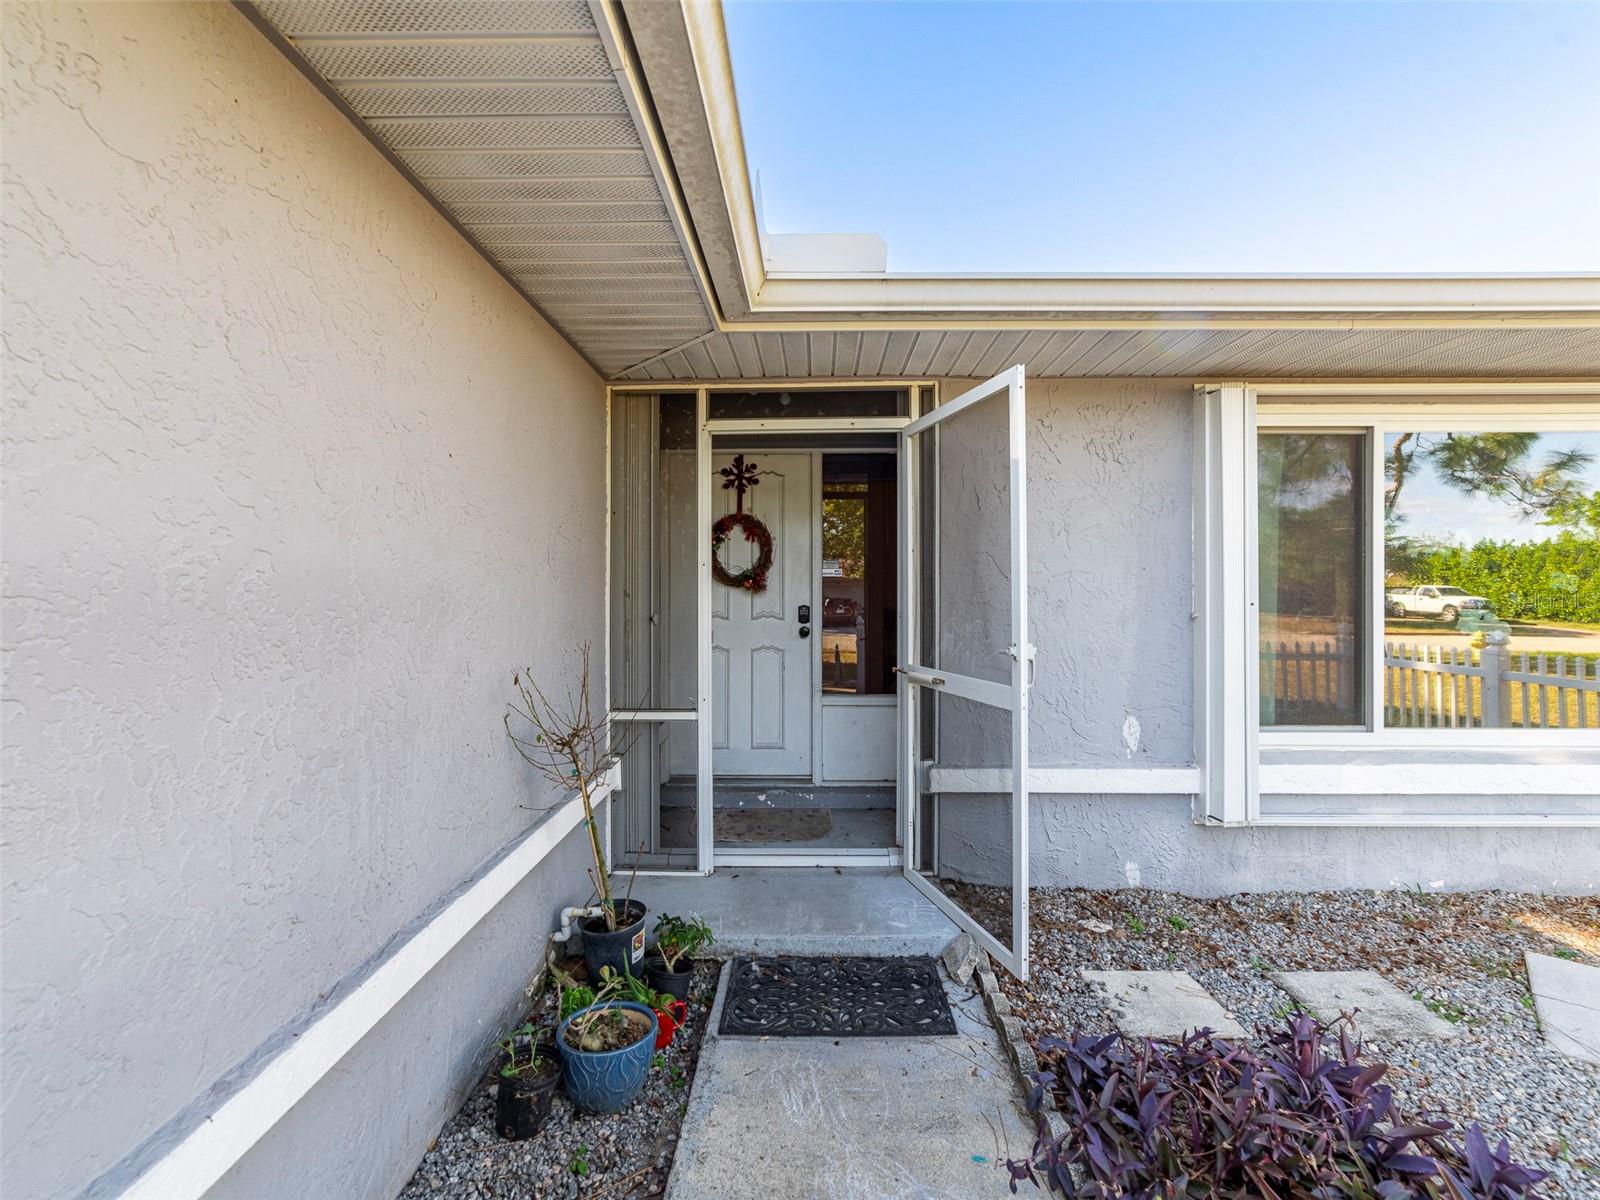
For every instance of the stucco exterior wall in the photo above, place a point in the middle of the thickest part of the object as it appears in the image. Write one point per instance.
(1110, 576)
(292, 482)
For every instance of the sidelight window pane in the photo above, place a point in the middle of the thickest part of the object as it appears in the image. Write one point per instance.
(858, 573)
(1312, 574)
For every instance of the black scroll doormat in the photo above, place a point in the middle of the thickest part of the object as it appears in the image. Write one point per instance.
(836, 997)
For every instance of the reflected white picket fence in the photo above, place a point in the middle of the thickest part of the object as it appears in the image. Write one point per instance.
(1431, 686)
(1426, 685)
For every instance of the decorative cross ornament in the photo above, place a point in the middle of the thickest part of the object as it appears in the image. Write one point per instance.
(741, 476)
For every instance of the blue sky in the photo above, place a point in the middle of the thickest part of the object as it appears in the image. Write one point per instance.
(1190, 137)
(1431, 508)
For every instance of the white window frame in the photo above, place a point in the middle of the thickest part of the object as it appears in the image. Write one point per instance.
(1229, 741)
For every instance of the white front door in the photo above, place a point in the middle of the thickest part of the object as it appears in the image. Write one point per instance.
(763, 653)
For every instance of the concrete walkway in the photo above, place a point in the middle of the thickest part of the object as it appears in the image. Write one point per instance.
(805, 910)
(871, 1118)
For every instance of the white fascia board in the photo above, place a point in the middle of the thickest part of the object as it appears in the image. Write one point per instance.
(1174, 301)
(1497, 300)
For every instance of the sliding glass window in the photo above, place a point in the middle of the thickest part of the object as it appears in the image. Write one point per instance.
(1419, 574)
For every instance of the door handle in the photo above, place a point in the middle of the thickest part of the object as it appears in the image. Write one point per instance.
(805, 631)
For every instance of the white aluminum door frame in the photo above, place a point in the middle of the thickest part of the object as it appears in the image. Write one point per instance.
(700, 715)
(705, 429)
(1012, 697)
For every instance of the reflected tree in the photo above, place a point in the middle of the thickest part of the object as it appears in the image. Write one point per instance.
(1502, 466)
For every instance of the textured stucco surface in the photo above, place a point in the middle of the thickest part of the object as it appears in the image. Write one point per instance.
(1150, 841)
(1108, 564)
(362, 1130)
(1109, 553)
(292, 480)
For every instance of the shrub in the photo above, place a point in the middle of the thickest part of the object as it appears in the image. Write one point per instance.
(1206, 1117)
(1553, 580)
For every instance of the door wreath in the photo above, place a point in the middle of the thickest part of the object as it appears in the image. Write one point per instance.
(740, 478)
(754, 577)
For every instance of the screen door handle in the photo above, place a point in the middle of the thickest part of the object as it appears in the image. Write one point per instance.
(919, 677)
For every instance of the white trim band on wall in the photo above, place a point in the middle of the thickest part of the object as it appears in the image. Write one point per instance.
(195, 1164)
(1070, 780)
(1414, 776)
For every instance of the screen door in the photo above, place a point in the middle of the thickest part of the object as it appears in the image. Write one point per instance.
(965, 665)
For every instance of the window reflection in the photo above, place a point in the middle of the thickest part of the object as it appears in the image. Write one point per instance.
(1311, 574)
(858, 573)
(1491, 577)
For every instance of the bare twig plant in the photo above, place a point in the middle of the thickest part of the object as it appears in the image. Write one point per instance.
(566, 745)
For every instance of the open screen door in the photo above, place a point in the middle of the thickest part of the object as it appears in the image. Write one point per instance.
(965, 663)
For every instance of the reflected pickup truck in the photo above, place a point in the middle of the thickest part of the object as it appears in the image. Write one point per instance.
(1433, 600)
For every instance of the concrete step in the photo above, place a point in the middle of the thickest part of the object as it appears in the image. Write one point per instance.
(805, 910)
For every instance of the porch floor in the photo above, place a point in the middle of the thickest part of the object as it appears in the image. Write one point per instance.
(796, 828)
(805, 910)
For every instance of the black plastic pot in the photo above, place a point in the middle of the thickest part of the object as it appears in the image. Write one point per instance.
(523, 1102)
(672, 983)
(622, 951)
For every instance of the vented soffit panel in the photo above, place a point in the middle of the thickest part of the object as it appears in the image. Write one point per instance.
(510, 116)
(1265, 353)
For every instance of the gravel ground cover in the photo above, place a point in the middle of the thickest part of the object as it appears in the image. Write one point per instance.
(625, 1156)
(1460, 953)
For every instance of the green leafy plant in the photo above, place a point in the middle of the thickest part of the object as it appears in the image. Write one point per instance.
(1177, 922)
(1448, 1009)
(575, 997)
(630, 987)
(579, 1165)
(1136, 925)
(678, 938)
(530, 1064)
(606, 1023)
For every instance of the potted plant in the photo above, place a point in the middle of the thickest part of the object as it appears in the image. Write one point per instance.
(671, 1013)
(527, 1081)
(606, 1047)
(678, 940)
(566, 745)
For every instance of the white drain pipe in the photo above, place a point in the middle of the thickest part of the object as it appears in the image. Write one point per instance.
(569, 915)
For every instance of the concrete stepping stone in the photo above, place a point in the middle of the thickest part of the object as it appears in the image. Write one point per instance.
(1386, 1013)
(1566, 999)
(1161, 1003)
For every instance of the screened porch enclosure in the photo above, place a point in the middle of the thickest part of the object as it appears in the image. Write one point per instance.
(760, 720)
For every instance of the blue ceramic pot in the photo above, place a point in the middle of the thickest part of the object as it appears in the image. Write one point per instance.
(606, 1081)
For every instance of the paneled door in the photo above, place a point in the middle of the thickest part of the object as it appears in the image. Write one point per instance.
(763, 641)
